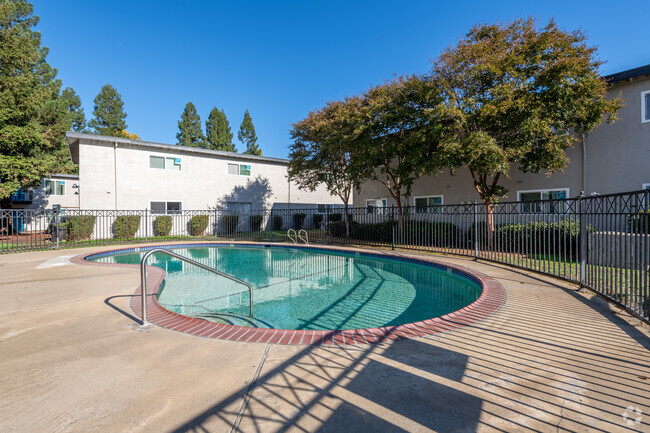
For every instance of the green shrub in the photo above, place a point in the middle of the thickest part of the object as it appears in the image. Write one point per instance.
(318, 219)
(298, 220)
(198, 224)
(80, 227)
(255, 222)
(230, 223)
(125, 226)
(431, 233)
(639, 222)
(337, 228)
(277, 222)
(337, 216)
(162, 225)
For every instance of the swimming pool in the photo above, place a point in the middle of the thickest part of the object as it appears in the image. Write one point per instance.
(307, 289)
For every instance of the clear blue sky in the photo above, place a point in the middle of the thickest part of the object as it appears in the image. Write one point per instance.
(282, 59)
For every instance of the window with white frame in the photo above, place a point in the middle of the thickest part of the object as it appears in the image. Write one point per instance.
(376, 205)
(239, 169)
(54, 187)
(166, 207)
(645, 106)
(543, 200)
(428, 204)
(165, 162)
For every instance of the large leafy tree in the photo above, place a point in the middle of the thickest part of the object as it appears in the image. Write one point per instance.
(72, 102)
(247, 135)
(189, 128)
(401, 129)
(217, 132)
(33, 118)
(325, 149)
(109, 116)
(515, 95)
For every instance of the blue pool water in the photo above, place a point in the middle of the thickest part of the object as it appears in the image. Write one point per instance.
(301, 288)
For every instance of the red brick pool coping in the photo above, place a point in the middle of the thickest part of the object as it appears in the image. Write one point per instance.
(491, 299)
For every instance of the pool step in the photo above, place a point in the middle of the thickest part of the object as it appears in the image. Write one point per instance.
(232, 319)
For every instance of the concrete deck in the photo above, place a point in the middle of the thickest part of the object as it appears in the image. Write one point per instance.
(74, 359)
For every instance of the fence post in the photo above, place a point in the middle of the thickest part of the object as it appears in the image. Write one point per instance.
(327, 224)
(216, 223)
(56, 226)
(392, 220)
(146, 232)
(582, 235)
(475, 231)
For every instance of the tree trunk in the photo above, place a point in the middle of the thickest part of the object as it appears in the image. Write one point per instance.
(400, 216)
(346, 219)
(489, 223)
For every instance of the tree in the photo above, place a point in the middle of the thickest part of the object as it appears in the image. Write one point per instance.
(189, 128)
(512, 94)
(109, 112)
(401, 131)
(126, 134)
(324, 150)
(33, 118)
(72, 102)
(247, 135)
(217, 132)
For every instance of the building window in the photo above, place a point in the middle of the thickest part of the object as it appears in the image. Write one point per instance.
(169, 163)
(54, 187)
(239, 208)
(166, 207)
(430, 204)
(645, 106)
(376, 205)
(239, 169)
(543, 200)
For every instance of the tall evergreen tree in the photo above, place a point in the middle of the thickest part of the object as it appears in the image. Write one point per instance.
(33, 118)
(217, 132)
(189, 128)
(109, 113)
(247, 135)
(72, 102)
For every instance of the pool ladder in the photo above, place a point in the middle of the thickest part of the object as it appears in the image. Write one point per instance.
(298, 237)
(143, 278)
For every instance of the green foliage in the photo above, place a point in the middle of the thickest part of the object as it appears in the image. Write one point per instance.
(336, 216)
(217, 132)
(230, 223)
(80, 227)
(162, 225)
(639, 222)
(318, 219)
(277, 222)
(72, 102)
(198, 224)
(510, 95)
(326, 146)
(247, 135)
(337, 228)
(432, 233)
(125, 226)
(189, 128)
(255, 222)
(109, 113)
(33, 117)
(298, 220)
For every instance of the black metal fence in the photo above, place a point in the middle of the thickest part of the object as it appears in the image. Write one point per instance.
(601, 242)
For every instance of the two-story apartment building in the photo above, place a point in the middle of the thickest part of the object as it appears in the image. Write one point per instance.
(123, 174)
(613, 158)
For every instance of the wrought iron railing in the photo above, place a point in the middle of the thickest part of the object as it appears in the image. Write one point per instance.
(601, 242)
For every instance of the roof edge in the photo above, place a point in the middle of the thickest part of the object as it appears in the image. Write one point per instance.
(628, 74)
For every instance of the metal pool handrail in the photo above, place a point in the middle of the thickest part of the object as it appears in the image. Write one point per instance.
(293, 239)
(306, 238)
(143, 278)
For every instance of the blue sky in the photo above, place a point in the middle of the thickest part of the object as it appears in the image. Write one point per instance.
(280, 59)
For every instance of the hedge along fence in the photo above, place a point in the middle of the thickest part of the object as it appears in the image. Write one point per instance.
(198, 224)
(639, 222)
(126, 226)
(299, 220)
(255, 222)
(318, 219)
(162, 225)
(80, 227)
(230, 223)
(277, 222)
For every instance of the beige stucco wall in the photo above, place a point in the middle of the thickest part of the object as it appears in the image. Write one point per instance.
(618, 160)
(120, 178)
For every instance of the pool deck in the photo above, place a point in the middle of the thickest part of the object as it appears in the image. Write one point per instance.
(74, 359)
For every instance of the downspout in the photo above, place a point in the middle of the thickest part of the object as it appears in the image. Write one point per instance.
(115, 171)
(584, 164)
(288, 193)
